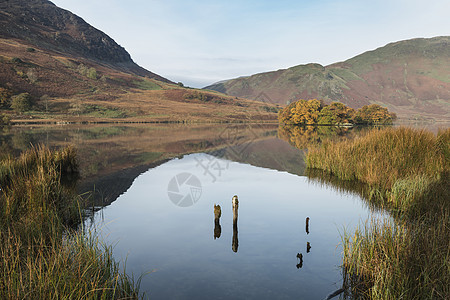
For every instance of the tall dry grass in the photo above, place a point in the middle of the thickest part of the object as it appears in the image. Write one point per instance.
(407, 172)
(42, 254)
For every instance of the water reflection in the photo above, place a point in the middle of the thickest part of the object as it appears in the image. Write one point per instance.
(303, 136)
(300, 261)
(307, 225)
(131, 167)
(326, 180)
(235, 240)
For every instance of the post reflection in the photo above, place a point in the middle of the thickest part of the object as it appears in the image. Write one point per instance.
(235, 240)
(300, 260)
(307, 225)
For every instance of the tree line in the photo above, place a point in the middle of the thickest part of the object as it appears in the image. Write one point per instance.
(316, 112)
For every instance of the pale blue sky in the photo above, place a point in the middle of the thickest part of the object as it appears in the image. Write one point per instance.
(201, 42)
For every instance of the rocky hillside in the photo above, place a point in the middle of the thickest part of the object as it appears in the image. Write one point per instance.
(73, 72)
(48, 27)
(410, 78)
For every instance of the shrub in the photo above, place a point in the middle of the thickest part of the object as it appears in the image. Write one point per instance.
(21, 103)
(88, 72)
(91, 73)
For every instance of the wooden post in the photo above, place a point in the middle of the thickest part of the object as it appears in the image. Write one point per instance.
(235, 241)
(235, 202)
(217, 227)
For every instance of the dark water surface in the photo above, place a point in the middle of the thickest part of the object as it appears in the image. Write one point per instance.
(155, 189)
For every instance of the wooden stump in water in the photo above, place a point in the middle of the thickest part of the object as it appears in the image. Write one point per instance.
(307, 225)
(235, 203)
(217, 227)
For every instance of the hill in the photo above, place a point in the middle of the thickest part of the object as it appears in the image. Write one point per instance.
(76, 73)
(410, 78)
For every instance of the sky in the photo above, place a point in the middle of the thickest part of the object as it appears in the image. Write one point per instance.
(204, 41)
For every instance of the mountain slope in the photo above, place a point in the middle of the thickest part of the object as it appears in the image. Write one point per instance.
(411, 78)
(44, 25)
(76, 73)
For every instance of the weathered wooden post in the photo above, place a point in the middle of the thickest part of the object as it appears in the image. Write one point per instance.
(235, 241)
(235, 202)
(308, 247)
(307, 225)
(217, 227)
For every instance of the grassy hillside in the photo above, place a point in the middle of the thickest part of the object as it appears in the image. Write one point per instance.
(76, 73)
(410, 78)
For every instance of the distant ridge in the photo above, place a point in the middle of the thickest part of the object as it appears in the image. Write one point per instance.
(411, 78)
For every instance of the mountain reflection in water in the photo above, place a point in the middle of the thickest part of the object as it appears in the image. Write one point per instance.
(126, 171)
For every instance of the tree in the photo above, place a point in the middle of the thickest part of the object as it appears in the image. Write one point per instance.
(373, 114)
(336, 113)
(285, 115)
(306, 112)
(21, 103)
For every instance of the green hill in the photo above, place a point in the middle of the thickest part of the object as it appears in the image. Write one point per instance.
(410, 78)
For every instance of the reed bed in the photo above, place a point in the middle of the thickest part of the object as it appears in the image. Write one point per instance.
(399, 164)
(407, 172)
(43, 255)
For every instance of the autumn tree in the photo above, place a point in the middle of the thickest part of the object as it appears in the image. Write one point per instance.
(336, 113)
(373, 114)
(285, 115)
(306, 112)
(314, 112)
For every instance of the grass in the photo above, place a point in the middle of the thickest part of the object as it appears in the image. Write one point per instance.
(405, 171)
(42, 254)
(147, 84)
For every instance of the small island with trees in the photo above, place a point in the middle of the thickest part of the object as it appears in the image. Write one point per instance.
(316, 112)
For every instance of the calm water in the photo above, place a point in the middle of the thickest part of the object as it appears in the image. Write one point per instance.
(178, 244)
(155, 192)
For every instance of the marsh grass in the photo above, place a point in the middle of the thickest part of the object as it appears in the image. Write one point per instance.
(405, 171)
(399, 164)
(42, 253)
(385, 259)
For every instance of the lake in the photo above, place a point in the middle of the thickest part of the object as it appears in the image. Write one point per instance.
(152, 191)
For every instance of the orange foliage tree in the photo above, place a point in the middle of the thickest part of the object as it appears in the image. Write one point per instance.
(314, 112)
(306, 112)
(374, 114)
